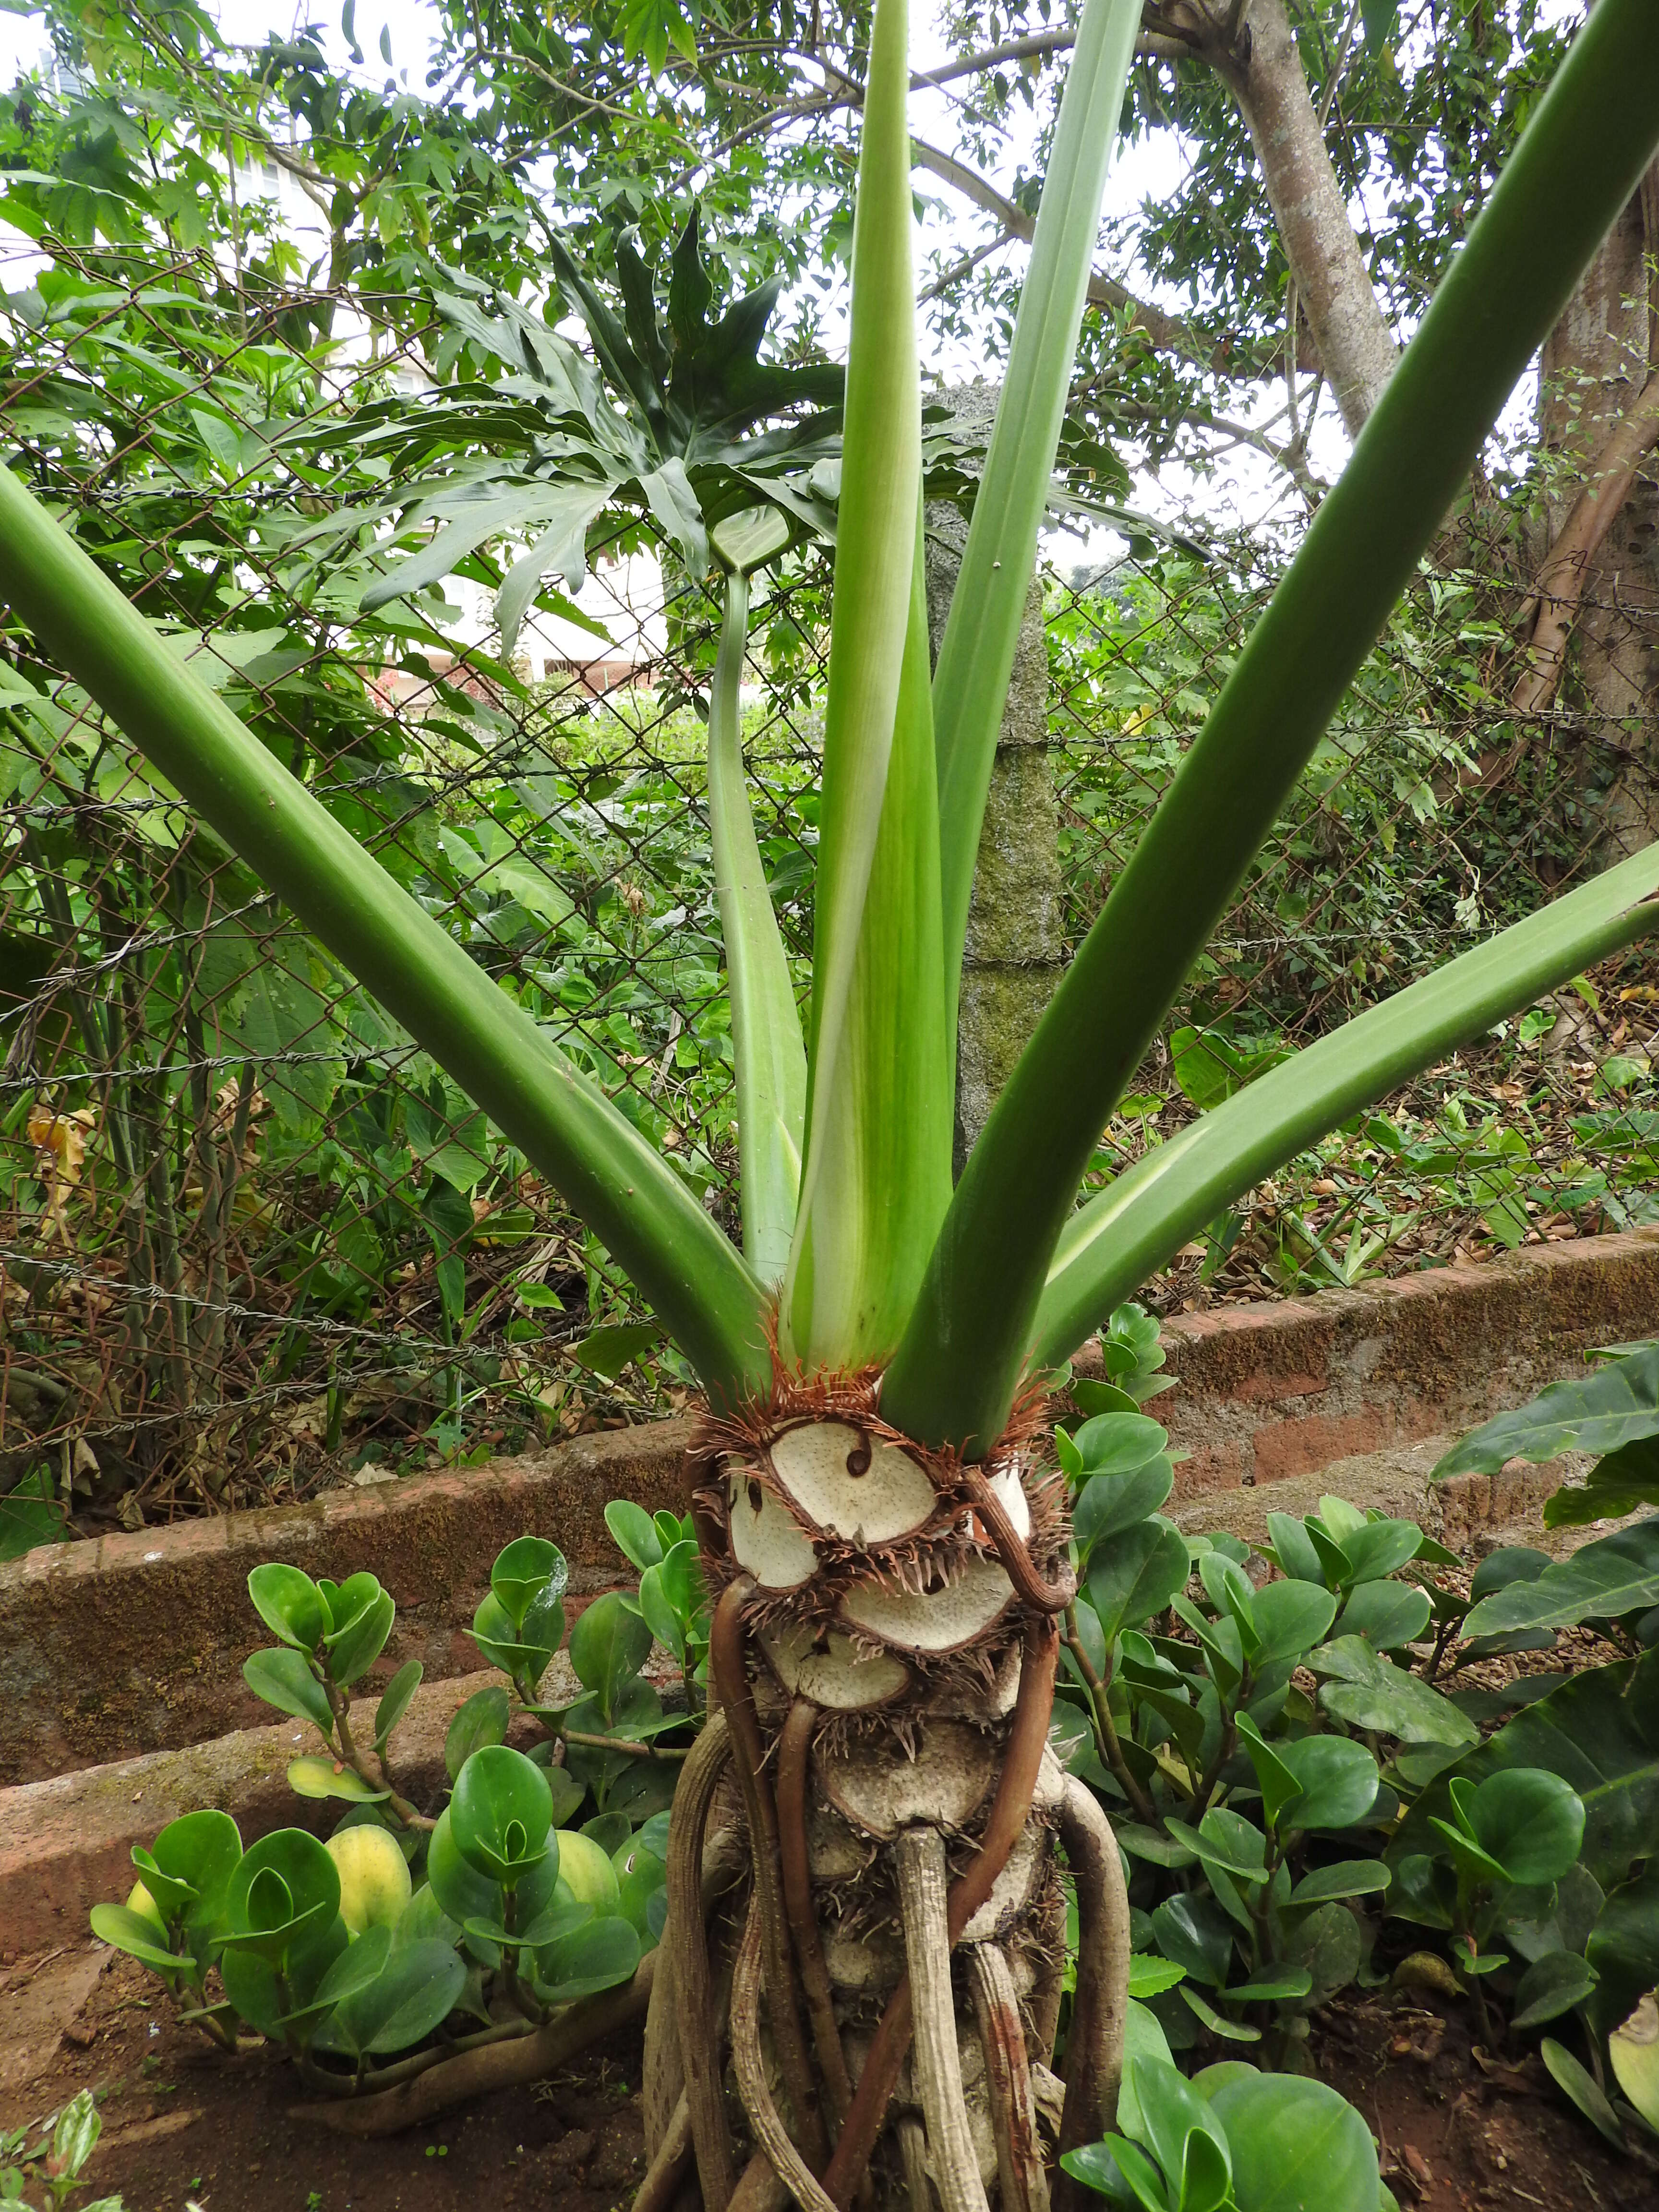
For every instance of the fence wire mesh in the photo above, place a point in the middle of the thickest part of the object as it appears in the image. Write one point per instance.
(252, 1239)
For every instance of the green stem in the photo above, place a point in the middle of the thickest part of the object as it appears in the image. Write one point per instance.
(1106, 1727)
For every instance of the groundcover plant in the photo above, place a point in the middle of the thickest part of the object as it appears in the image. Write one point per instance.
(888, 1565)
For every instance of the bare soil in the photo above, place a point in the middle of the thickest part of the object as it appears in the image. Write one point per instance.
(1460, 2131)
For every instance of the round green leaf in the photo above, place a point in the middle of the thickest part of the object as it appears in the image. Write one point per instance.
(524, 1570)
(609, 1645)
(281, 1886)
(284, 1679)
(1290, 1617)
(1386, 1615)
(201, 1848)
(290, 1605)
(483, 1719)
(353, 1648)
(1337, 1780)
(1134, 1575)
(137, 1936)
(1117, 1443)
(1296, 2146)
(1552, 1986)
(1109, 1504)
(597, 1956)
(635, 1532)
(461, 1893)
(1529, 1820)
(501, 1814)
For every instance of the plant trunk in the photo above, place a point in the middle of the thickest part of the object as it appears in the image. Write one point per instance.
(1598, 366)
(861, 1972)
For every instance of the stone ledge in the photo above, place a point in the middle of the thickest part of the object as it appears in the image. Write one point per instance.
(135, 1642)
(66, 1844)
(1269, 1392)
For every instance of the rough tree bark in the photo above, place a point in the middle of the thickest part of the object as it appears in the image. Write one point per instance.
(1597, 422)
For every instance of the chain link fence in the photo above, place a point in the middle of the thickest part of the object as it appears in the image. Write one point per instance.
(252, 1240)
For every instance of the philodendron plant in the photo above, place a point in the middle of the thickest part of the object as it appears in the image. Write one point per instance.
(887, 1565)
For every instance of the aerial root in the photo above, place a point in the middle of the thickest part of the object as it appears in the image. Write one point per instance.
(1094, 2047)
(1025, 2185)
(699, 2052)
(727, 1657)
(753, 2087)
(918, 1860)
(1028, 1739)
(794, 1746)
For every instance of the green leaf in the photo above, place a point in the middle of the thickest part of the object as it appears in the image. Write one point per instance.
(1227, 1841)
(1616, 1575)
(482, 1720)
(1378, 1548)
(1107, 1504)
(634, 1532)
(1280, 1786)
(1370, 1691)
(527, 1568)
(1612, 1406)
(609, 1645)
(771, 1054)
(1350, 1878)
(416, 1989)
(1614, 1486)
(1552, 1986)
(1382, 20)
(283, 1678)
(500, 1815)
(290, 1605)
(353, 1648)
(1118, 1443)
(1337, 1779)
(1296, 2145)
(1193, 1932)
(138, 1936)
(1135, 1576)
(1150, 1978)
(1529, 1819)
(875, 1178)
(595, 1957)
(325, 1778)
(1170, 2114)
(1218, 2023)
(1623, 1948)
(607, 1350)
(1600, 1733)
(283, 1887)
(395, 1701)
(31, 1514)
(976, 652)
(977, 1327)
(1581, 2087)
(1290, 1618)
(1386, 1615)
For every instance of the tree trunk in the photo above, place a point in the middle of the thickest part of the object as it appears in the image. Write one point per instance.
(1597, 365)
(1263, 70)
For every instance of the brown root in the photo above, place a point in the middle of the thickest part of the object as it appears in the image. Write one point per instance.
(1017, 1561)
(700, 2053)
(1025, 2185)
(496, 2066)
(725, 1652)
(1028, 1739)
(669, 2166)
(749, 2063)
(1094, 2049)
(918, 1861)
(794, 1744)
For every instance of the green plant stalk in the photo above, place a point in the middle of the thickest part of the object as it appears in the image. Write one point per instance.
(880, 1083)
(771, 1056)
(883, 1179)
(981, 632)
(693, 1278)
(1113, 1243)
(956, 1371)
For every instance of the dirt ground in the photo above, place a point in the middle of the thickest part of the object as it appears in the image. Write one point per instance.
(184, 2126)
